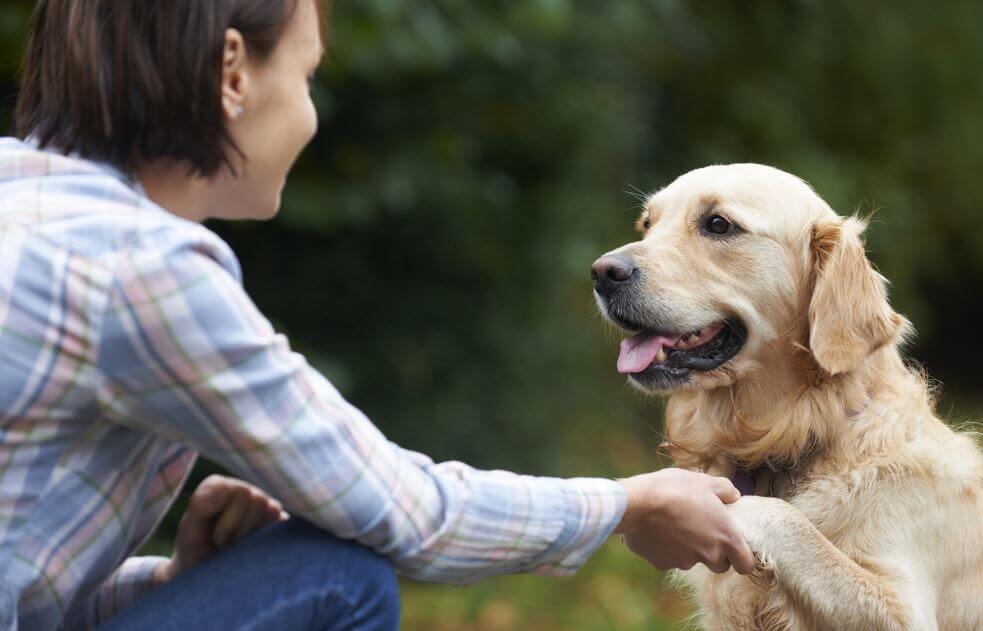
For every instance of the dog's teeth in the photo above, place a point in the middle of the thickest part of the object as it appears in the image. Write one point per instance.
(661, 356)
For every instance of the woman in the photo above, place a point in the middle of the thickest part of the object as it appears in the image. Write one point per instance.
(129, 347)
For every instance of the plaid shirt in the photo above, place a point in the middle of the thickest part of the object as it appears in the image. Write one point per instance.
(128, 346)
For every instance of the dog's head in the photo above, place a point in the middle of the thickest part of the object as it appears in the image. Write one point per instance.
(736, 264)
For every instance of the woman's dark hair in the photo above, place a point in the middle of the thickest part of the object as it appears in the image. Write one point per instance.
(130, 81)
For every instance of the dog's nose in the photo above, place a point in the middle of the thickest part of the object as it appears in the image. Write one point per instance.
(609, 272)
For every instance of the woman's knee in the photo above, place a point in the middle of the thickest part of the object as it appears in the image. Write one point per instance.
(367, 579)
(379, 599)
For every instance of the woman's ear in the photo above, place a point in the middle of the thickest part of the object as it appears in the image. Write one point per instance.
(849, 316)
(235, 75)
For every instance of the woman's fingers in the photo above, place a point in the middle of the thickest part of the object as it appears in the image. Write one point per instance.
(262, 510)
(234, 514)
(220, 510)
(248, 509)
(719, 566)
(211, 497)
(740, 556)
(725, 490)
(208, 501)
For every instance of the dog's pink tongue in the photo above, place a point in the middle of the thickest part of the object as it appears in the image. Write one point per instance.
(639, 351)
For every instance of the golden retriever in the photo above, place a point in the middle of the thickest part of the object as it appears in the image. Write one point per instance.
(754, 306)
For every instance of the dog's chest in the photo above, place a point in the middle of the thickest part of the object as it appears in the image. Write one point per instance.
(756, 603)
(733, 602)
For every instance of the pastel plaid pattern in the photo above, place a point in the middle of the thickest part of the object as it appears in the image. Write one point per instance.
(128, 346)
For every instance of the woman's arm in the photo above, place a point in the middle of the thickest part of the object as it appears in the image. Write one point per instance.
(185, 354)
(130, 581)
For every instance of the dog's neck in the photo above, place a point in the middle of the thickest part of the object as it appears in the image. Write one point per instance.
(777, 418)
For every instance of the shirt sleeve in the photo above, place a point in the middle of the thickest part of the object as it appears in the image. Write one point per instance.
(185, 354)
(130, 581)
(134, 577)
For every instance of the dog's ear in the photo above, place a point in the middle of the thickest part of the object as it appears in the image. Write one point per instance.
(849, 316)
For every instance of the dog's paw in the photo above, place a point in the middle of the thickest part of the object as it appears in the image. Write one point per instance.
(761, 520)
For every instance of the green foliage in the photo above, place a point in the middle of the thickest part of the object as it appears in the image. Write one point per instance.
(433, 251)
(473, 160)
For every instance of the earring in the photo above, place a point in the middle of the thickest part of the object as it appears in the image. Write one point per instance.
(239, 111)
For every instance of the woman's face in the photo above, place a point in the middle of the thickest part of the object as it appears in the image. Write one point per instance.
(276, 120)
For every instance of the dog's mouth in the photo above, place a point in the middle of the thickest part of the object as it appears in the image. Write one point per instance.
(657, 360)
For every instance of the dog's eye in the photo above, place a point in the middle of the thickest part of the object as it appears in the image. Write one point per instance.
(715, 224)
(646, 224)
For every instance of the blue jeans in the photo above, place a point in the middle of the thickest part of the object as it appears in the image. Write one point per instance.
(285, 577)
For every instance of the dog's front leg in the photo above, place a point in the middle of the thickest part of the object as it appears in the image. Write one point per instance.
(825, 584)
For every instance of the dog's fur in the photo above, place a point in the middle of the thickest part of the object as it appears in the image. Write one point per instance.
(870, 513)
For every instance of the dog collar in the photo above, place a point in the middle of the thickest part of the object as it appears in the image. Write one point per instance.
(744, 481)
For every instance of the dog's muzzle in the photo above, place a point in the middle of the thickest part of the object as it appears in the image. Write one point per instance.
(611, 273)
(661, 353)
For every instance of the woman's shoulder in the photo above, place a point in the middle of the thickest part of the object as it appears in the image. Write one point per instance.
(92, 209)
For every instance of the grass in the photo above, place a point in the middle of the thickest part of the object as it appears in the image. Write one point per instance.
(614, 591)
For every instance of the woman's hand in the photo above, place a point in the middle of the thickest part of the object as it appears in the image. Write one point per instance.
(677, 518)
(221, 510)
